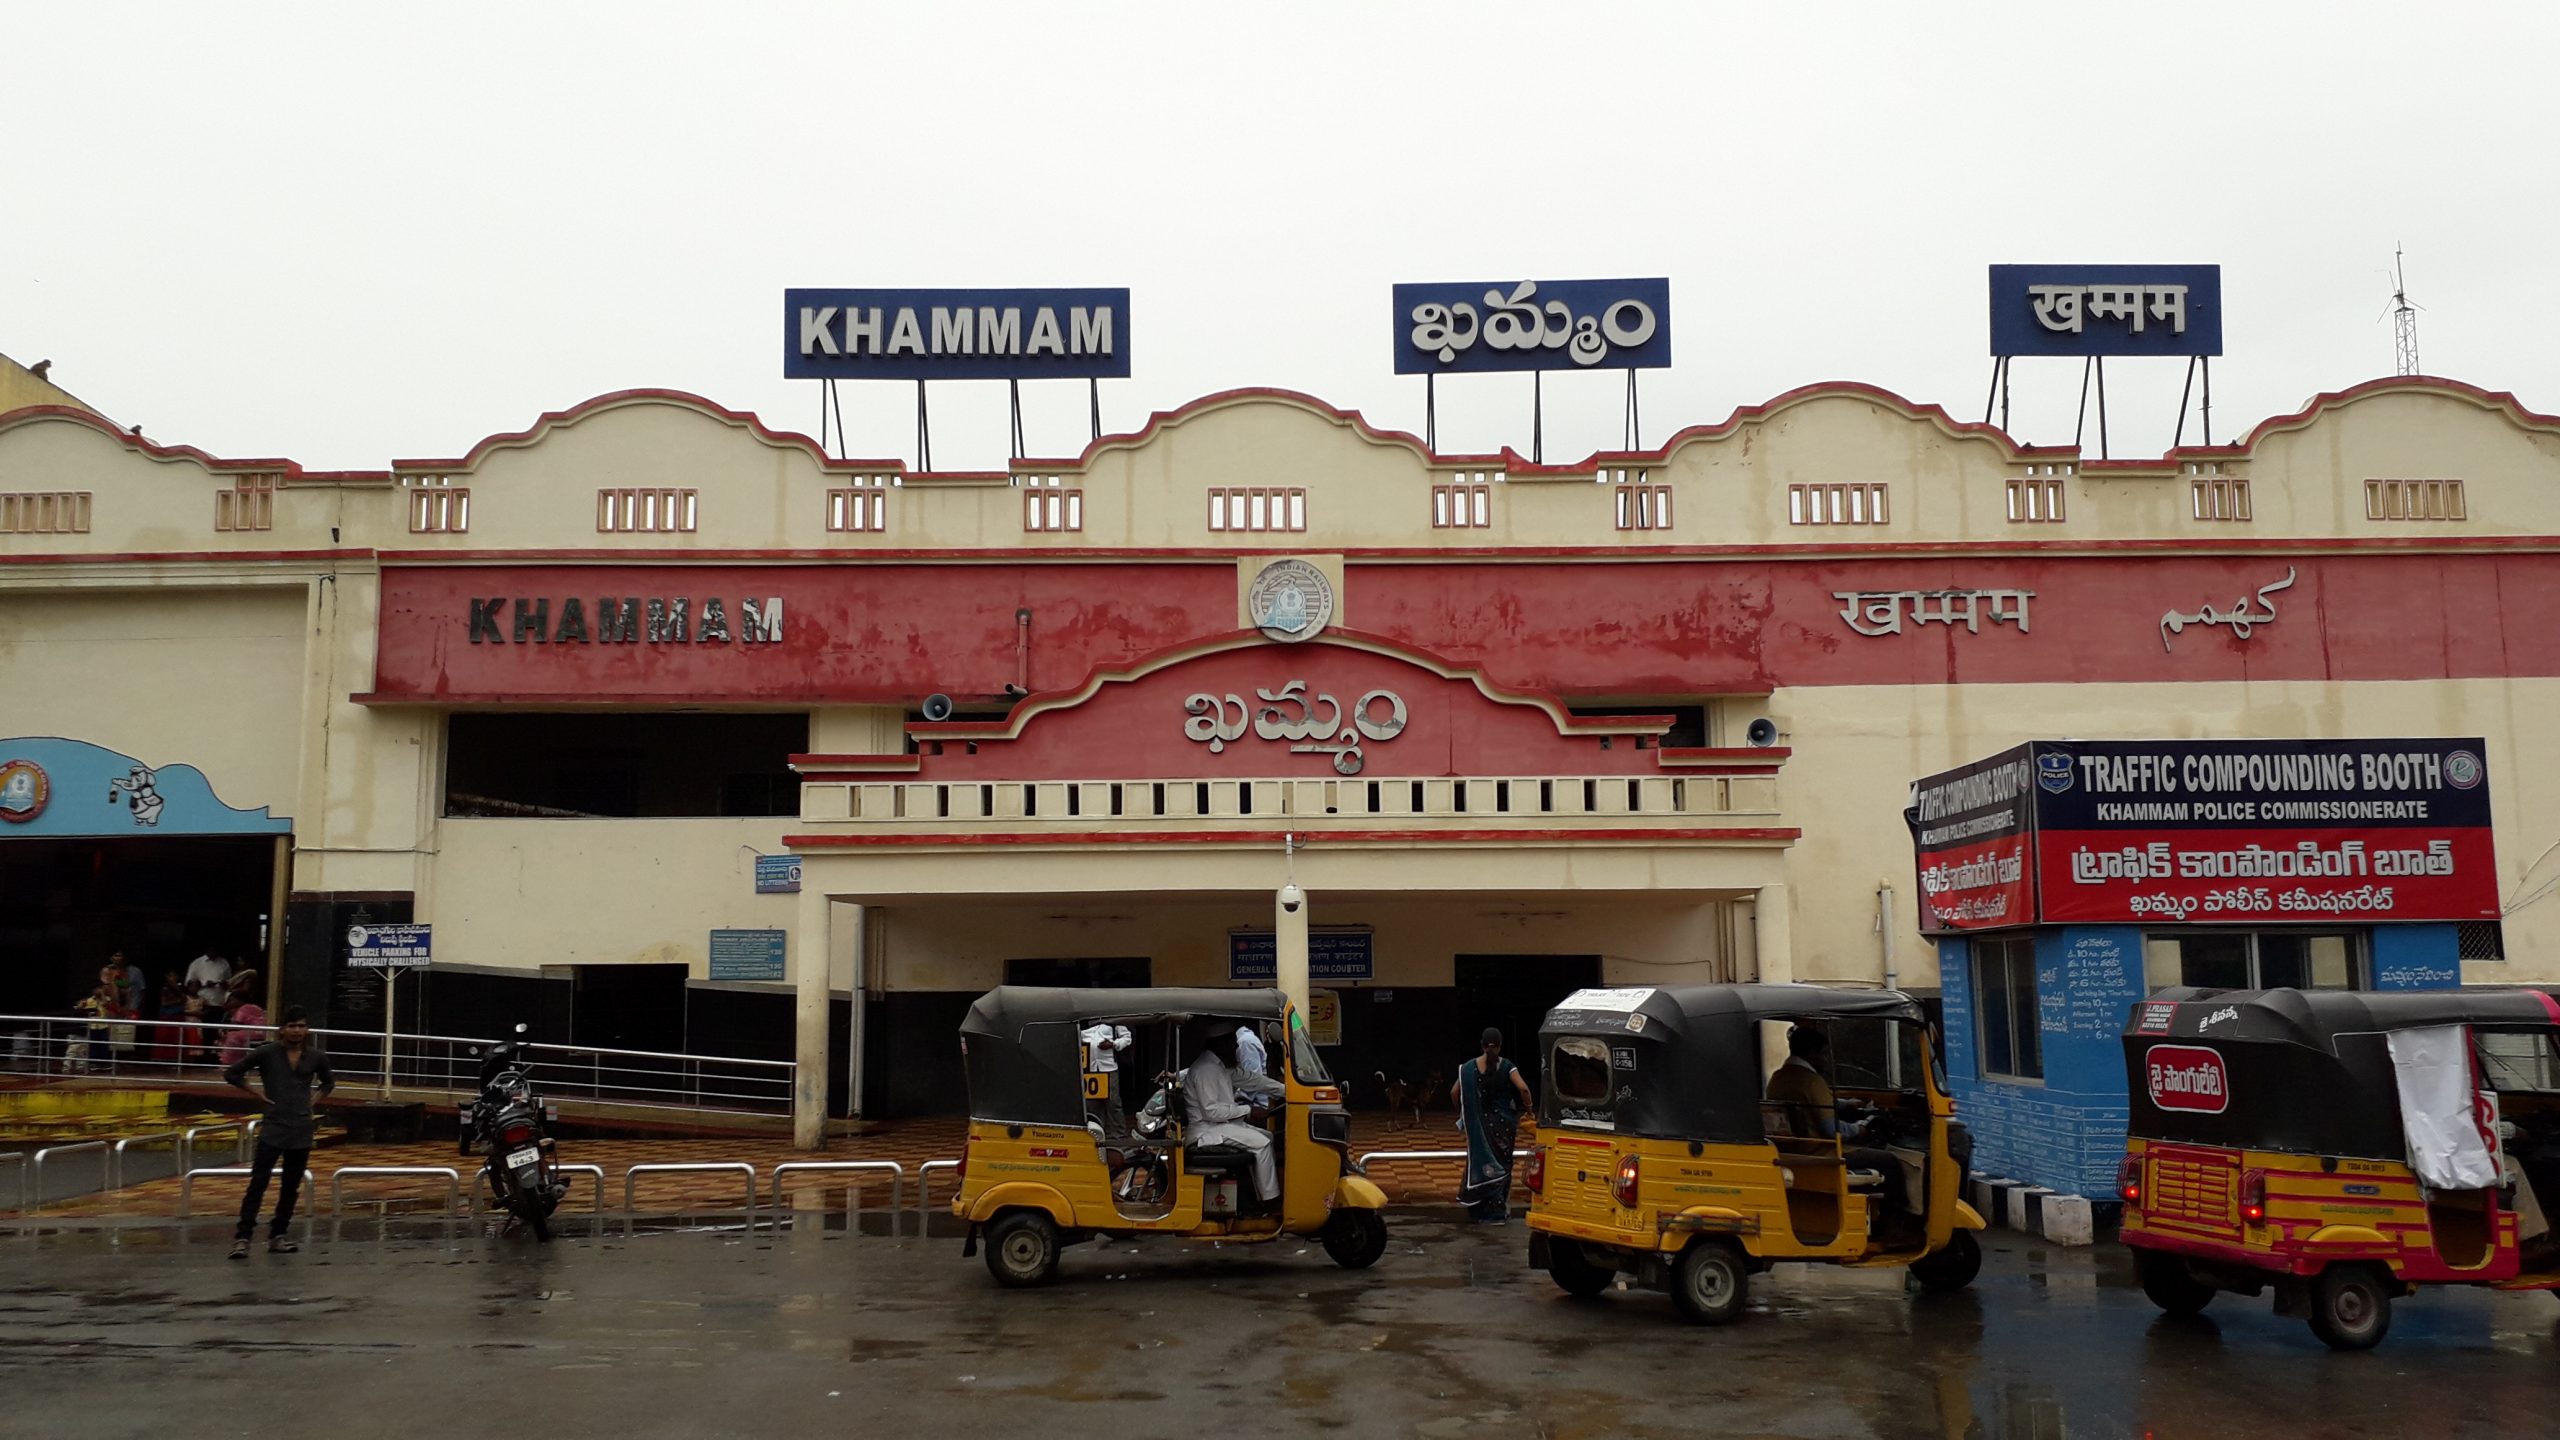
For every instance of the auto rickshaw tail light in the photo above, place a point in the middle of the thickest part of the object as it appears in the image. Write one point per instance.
(2129, 1180)
(1624, 1185)
(2253, 1197)
(1534, 1175)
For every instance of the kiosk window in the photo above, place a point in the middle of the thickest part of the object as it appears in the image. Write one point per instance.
(2004, 984)
(1579, 1069)
(2253, 960)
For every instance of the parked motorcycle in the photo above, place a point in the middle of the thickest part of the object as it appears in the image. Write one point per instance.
(519, 1163)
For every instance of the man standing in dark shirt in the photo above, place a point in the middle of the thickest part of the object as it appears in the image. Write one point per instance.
(289, 1067)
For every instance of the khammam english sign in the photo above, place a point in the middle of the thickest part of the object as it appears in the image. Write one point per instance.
(955, 334)
(2208, 832)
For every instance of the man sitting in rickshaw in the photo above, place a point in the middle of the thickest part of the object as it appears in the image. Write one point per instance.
(1217, 1117)
(1810, 1111)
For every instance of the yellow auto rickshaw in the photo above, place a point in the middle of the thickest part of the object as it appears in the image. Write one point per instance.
(2341, 1148)
(1049, 1164)
(1661, 1156)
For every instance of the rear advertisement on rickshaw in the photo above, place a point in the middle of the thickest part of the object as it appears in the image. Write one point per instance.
(2143, 832)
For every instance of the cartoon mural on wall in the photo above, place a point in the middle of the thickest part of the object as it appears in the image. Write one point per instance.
(43, 780)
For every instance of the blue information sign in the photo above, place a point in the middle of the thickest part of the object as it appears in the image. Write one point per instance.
(385, 947)
(2077, 310)
(747, 954)
(1253, 955)
(1467, 327)
(955, 334)
(777, 874)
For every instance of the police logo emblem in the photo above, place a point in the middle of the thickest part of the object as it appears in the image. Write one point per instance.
(2053, 772)
(24, 789)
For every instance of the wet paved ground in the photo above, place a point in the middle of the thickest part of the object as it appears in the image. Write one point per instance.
(151, 1332)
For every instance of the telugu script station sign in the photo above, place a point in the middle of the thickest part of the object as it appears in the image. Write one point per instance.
(1468, 327)
(1253, 956)
(955, 334)
(2209, 832)
(2081, 310)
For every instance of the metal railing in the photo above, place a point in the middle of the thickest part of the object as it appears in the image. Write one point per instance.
(631, 1179)
(35, 1170)
(896, 1172)
(452, 1183)
(187, 1185)
(175, 1052)
(595, 1172)
(177, 1141)
(924, 1187)
(19, 1159)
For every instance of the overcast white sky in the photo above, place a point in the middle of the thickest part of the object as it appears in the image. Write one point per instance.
(349, 233)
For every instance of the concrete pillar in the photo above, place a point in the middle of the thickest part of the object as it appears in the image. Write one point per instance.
(809, 967)
(1772, 923)
(1289, 943)
(859, 988)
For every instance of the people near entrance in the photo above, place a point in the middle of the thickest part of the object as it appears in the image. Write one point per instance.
(1211, 1088)
(104, 1005)
(168, 1038)
(209, 975)
(1250, 1056)
(133, 988)
(1104, 1044)
(209, 980)
(1489, 1098)
(294, 1072)
(248, 1018)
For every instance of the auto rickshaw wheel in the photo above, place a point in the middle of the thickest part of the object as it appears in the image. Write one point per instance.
(1574, 1272)
(1022, 1249)
(1711, 1282)
(1355, 1238)
(1951, 1266)
(2351, 1307)
(2170, 1283)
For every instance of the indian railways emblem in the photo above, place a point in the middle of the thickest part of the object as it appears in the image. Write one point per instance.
(1290, 600)
(23, 791)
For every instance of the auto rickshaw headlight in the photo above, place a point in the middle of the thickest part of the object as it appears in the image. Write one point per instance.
(2129, 1180)
(1624, 1186)
(1535, 1175)
(2253, 1197)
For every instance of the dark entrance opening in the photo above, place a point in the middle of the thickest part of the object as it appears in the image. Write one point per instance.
(628, 1007)
(1121, 972)
(1513, 993)
(67, 904)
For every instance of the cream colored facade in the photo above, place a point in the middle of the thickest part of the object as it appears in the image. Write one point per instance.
(242, 649)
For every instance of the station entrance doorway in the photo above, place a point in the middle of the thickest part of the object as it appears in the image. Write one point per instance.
(68, 903)
(1513, 993)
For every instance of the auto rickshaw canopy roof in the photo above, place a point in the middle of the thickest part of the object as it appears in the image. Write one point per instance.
(2307, 1072)
(1693, 1069)
(1020, 1041)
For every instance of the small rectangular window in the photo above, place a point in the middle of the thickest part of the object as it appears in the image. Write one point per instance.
(651, 511)
(44, 512)
(1862, 503)
(2035, 499)
(1463, 501)
(2007, 1016)
(437, 506)
(2415, 500)
(1050, 504)
(1578, 1067)
(861, 506)
(1257, 508)
(2216, 496)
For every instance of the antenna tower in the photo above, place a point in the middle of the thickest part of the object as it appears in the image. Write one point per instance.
(2404, 318)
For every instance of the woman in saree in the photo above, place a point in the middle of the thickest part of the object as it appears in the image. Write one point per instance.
(1489, 1097)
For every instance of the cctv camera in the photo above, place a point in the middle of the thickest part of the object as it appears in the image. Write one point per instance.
(1291, 898)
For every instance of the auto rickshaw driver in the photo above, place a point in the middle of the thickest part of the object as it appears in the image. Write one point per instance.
(1210, 1091)
(1810, 1111)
